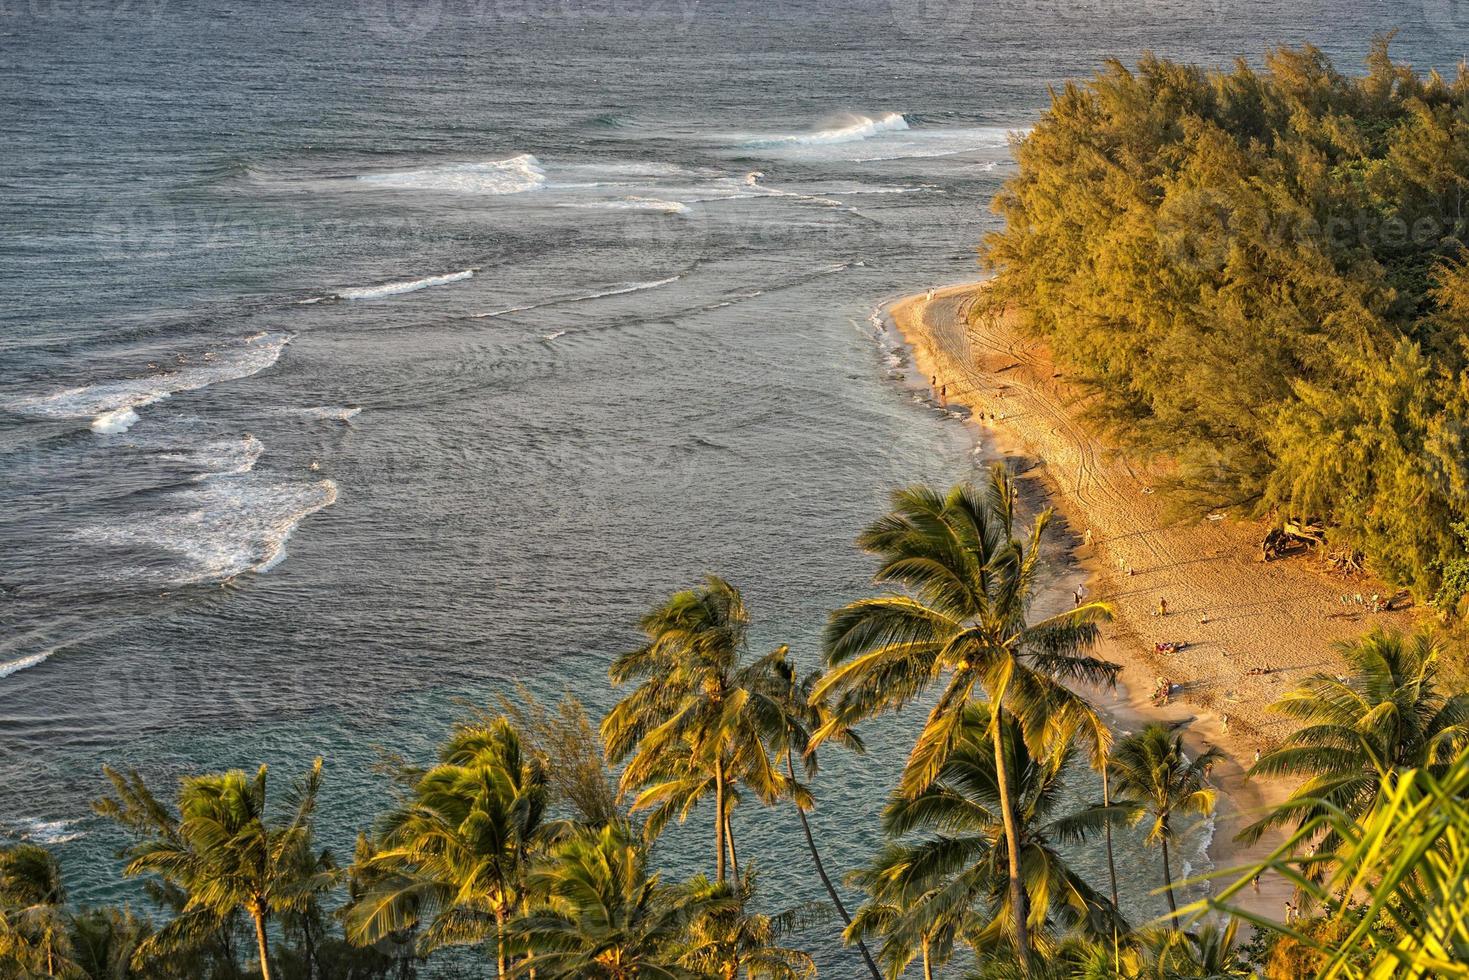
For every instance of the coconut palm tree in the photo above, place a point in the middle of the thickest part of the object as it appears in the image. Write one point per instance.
(34, 940)
(598, 914)
(699, 721)
(1155, 779)
(728, 939)
(453, 859)
(105, 939)
(803, 715)
(957, 877)
(962, 622)
(228, 856)
(1387, 714)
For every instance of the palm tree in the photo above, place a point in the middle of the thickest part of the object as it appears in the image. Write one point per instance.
(969, 584)
(599, 914)
(958, 877)
(1155, 779)
(34, 940)
(802, 716)
(227, 855)
(1393, 890)
(105, 939)
(699, 721)
(728, 939)
(454, 858)
(1388, 714)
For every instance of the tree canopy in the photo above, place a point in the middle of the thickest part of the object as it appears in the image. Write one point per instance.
(1261, 274)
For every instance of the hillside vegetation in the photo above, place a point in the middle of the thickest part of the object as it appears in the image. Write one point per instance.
(1262, 276)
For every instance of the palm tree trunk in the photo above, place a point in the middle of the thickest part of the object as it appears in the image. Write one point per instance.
(927, 964)
(499, 941)
(1111, 865)
(719, 819)
(821, 873)
(263, 943)
(1012, 847)
(1168, 881)
(734, 858)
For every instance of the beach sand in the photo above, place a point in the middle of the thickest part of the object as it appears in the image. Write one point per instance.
(1232, 611)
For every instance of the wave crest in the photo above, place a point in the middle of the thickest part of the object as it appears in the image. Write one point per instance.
(513, 175)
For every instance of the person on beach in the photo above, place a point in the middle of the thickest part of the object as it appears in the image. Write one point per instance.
(1087, 538)
(1162, 606)
(1224, 725)
(944, 395)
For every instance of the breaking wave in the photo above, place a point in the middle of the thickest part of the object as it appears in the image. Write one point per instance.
(855, 127)
(514, 175)
(112, 404)
(410, 286)
(226, 527)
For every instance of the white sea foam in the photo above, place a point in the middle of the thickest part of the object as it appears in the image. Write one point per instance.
(851, 128)
(631, 287)
(226, 527)
(49, 831)
(21, 663)
(513, 175)
(227, 457)
(633, 203)
(327, 413)
(554, 334)
(409, 286)
(117, 420)
(867, 139)
(111, 403)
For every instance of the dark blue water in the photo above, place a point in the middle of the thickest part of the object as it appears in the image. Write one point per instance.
(358, 358)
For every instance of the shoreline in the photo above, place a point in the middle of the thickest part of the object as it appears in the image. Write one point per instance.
(1233, 613)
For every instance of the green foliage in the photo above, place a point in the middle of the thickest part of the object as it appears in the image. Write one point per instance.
(950, 885)
(701, 720)
(1406, 858)
(1156, 781)
(224, 854)
(1389, 713)
(451, 863)
(961, 624)
(1260, 274)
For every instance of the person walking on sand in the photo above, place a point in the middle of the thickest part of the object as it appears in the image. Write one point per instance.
(1162, 606)
(1224, 725)
(943, 394)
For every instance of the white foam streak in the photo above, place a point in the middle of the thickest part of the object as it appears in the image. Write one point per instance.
(632, 287)
(859, 128)
(410, 286)
(513, 175)
(112, 403)
(15, 666)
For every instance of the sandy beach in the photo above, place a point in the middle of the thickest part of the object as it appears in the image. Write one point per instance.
(1232, 612)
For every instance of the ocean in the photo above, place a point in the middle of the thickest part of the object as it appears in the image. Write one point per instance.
(360, 361)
